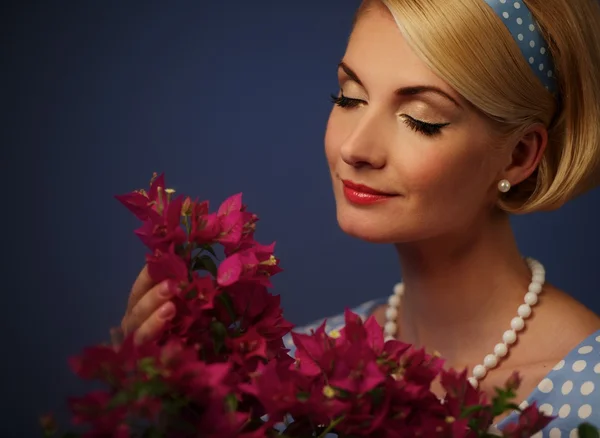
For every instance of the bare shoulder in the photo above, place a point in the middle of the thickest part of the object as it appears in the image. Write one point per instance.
(560, 322)
(573, 317)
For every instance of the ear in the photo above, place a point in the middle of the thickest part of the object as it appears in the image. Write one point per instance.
(526, 154)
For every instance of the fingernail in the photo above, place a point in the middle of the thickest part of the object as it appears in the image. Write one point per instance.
(167, 311)
(165, 290)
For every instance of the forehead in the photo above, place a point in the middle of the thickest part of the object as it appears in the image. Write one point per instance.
(380, 54)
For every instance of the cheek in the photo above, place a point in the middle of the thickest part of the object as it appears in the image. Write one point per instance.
(441, 178)
(332, 142)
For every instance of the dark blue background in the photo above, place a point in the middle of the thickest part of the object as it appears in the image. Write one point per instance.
(222, 96)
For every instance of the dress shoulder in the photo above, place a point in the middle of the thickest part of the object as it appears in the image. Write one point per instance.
(570, 391)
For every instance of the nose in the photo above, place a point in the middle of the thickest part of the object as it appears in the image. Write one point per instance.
(366, 144)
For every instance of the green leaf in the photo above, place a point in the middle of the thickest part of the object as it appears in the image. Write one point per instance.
(302, 396)
(231, 402)
(219, 333)
(466, 411)
(147, 365)
(152, 388)
(586, 430)
(121, 398)
(153, 433)
(226, 300)
(378, 396)
(205, 263)
(211, 250)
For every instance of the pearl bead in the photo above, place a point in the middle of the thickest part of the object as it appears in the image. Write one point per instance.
(517, 323)
(504, 186)
(524, 310)
(394, 301)
(536, 288)
(500, 350)
(539, 278)
(390, 328)
(531, 298)
(509, 337)
(479, 372)
(399, 289)
(391, 313)
(490, 361)
(473, 381)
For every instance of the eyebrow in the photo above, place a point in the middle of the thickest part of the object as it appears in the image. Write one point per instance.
(404, 91)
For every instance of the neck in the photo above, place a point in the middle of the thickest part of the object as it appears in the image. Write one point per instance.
(462, 290)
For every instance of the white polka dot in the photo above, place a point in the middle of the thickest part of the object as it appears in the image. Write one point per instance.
(555, 432)
(542, 50)
(597, 338)
(531, 27)
(559, 365)
(520, 37)
(567, 387)
(541, 67)
(502, 1)
(584, 411)
(538, 435)
(550, 73)
(519, 20)
(517, 5)
(597, 368)
(574, 434)
(546, 385)
(505, 14)
(546, 408)
(586, 349)
(524, 405)
(587, 388)
(531, 43)
(564, 411)
(531, 60)
(579, 365)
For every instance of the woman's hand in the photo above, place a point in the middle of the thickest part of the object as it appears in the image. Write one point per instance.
(148, 309)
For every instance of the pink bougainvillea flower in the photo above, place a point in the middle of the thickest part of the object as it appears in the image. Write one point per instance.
(167, 265)
(148, 205)
(161, 232)
(530, 421)
(256, 264)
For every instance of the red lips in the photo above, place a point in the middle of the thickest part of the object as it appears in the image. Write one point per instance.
(363, 195)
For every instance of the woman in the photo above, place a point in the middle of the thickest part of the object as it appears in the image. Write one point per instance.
(451, 115)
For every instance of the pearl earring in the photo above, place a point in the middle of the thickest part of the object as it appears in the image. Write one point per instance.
(504, 186)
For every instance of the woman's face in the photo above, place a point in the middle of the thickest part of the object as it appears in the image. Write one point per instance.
(399, 129)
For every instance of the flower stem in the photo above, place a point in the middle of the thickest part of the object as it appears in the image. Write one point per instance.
(331, 426)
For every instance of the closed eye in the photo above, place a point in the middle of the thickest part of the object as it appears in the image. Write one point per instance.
(425, 128)
(346, 102)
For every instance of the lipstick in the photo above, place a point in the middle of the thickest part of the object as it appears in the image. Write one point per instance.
(363, 195)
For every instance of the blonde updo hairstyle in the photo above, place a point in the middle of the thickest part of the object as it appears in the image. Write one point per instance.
(467, 44)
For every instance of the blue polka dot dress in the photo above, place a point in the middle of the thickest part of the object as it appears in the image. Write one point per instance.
(570, 391)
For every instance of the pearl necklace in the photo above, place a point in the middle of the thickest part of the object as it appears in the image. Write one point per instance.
(538, 277)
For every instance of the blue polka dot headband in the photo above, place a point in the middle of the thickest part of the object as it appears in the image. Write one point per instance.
(520, 22)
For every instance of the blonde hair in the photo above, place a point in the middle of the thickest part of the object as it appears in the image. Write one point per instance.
(467, 44)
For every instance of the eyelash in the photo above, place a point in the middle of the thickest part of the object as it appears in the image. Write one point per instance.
(428, 129)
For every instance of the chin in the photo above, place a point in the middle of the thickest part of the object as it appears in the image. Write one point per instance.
(375, 229)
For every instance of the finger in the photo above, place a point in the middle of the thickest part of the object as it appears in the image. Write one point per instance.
(142, 284)
(152, 326)
(146, 306)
